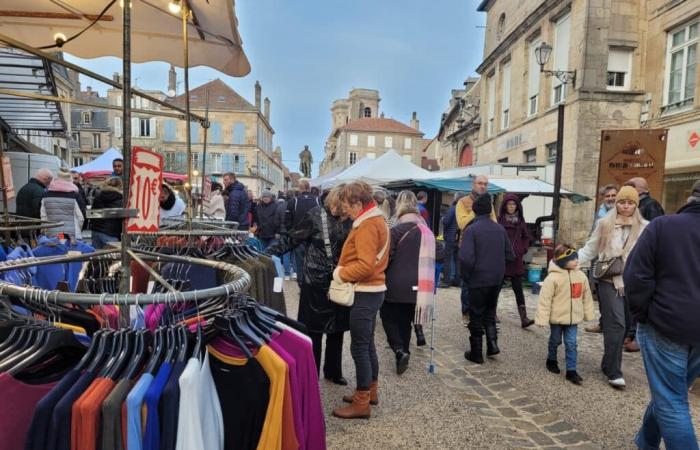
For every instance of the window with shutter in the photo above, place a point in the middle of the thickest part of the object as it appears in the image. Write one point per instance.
(407, 143)
(505, 97)
(491, 83)
(215, 132)
(169, 130)
(239, 132)
(194, 132)
(227, 163)
(388, 142)
(180, 162)
(533, 80)
(118, 126)
(370, 141)
(562, 39)
(353, 140)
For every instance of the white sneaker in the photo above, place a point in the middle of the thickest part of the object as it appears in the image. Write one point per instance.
(617, 383)
(287, 278)
(294, 276)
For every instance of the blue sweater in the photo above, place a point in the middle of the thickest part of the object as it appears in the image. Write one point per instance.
(661, 275)
(484, 252)
(449, 225)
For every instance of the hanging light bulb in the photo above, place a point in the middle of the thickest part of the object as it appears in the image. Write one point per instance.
(59, 39)
(175, 6)
(195, 173)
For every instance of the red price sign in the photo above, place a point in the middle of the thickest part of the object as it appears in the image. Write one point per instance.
(144, 192)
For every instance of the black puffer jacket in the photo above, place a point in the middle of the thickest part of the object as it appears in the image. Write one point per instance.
(267, 220)
(108, 197)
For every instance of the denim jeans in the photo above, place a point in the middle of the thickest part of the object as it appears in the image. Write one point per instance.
(464, 298)
(267, 242)
(363, 321)
(299, 252)
(100, 240)
(449, 266)
(287, 261)
(671, 369)
(555, 335)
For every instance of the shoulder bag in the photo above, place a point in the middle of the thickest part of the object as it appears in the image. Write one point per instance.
(610, 267)
(343, 293)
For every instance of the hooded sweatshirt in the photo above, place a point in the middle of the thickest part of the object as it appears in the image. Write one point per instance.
(565, 298)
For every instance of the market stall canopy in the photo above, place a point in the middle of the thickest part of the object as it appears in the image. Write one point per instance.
(156, 31)
(102, 166)
(322, 179)
(387, 168)
(27, 73)
(515, 185)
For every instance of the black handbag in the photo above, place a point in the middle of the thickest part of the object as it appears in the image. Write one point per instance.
(608, 268)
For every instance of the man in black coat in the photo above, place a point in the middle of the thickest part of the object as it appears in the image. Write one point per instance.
(267, 220)
(107, 230)
(483, 255)
(648, 206)
(297, 208)
(28, 198)
(663, 289)
(237, 203)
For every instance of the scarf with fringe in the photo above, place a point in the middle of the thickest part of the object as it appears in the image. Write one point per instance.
(426, 269)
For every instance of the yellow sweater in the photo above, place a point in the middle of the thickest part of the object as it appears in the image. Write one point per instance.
(565, 298)
(464, 212)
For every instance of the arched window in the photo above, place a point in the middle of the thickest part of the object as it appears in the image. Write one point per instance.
(367, 112)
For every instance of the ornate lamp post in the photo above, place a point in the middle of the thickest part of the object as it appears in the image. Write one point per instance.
(542, 54)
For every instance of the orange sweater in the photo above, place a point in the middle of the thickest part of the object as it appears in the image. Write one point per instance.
(358, 260)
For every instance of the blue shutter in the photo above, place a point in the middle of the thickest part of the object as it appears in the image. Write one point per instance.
(215, 131)
(194, 132)
(241, 165)
(239, 133)
(227, 163)
(170, 130)
(180, 162)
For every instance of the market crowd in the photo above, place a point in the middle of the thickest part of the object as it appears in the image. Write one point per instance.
(360, 253)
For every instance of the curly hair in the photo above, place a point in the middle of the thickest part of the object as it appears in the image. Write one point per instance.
(357, 191)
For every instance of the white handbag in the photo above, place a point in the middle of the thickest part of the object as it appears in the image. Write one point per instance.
(343, 293)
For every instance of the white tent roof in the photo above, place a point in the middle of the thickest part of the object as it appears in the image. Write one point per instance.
(387, 168)
(156, 32)
(101, 163)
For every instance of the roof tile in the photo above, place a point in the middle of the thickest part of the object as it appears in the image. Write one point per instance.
(221, 97)
(380, 125)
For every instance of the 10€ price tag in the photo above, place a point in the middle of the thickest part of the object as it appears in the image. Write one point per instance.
(144, 192)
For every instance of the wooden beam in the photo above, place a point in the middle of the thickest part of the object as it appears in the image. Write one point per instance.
(53, 15)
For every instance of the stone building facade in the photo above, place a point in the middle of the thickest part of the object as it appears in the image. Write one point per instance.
(91, 133)
(458, 137)
(603, 41)
(360, 131)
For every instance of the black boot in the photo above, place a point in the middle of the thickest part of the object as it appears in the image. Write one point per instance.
(553, 366)
(401, 362)
(475, 353)
(524, 321)
(492, 341)
(420, 337)
(574, 377)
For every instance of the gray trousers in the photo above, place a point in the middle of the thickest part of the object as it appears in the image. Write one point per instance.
(612, 315)
(363, 320)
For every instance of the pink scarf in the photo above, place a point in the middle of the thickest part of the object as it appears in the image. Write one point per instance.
(426, 269)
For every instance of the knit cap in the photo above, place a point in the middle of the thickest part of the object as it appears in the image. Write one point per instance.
(628, 193)
(482, 205)
(564, 254)
(268, 194)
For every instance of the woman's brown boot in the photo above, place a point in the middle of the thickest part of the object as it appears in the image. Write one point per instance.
(358, 409)
(373, 394)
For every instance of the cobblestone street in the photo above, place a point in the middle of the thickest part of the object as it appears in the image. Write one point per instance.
(512, 401)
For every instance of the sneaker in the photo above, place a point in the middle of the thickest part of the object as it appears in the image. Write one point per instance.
(617, 383)
(287, 278)
(465, 320)
(553, 366)
(574, 377)
(294, 276)
(594, 329)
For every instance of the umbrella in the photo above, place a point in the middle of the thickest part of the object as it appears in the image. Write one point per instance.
(156, 31)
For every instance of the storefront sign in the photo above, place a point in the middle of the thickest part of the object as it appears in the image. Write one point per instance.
(144, 191)
(626, 154)
(693, 139)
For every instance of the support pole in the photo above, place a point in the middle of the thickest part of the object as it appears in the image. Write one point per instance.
(556, 200)
(126, 150)
(188, 137)
(204, 159)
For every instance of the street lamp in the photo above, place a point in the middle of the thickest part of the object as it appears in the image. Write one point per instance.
(542, 54)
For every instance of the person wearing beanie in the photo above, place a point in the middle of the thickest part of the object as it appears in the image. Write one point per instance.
(662, 284)
(63, 203)
(614, 237)
(565, 301)
(267, 220)
(483, 254)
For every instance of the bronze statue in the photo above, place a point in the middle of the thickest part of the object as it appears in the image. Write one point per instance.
(306, 161)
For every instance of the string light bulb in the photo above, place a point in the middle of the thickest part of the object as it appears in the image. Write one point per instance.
(59, 39)
(175, 6)
(195, 173)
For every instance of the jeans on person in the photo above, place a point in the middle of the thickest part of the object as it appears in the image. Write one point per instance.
(482, 309)
(464, 298)
(671, 370)
(363, 320)
(100, 239)
(287, 261)
(449, 266)
(555, 338)
(267, 242)
(299, 252)
(612, 310)
(397, 319)
(332, 362)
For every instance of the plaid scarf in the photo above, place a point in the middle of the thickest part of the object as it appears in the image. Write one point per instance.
(426, 269)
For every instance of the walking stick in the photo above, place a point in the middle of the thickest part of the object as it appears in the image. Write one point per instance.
(431, 364)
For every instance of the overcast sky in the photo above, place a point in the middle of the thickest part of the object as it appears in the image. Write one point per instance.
(308, 53)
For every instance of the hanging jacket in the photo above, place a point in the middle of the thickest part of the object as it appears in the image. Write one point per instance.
(565, 298)
(518, 235)
(29, 199)
(108, 197)
(62, 203)
(267, 220)
(238, 205)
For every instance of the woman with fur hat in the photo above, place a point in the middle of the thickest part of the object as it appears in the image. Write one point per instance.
(614, 237)
(512, 219)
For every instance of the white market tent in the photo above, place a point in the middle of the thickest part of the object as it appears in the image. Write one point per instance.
(101, 163)
(387, 168)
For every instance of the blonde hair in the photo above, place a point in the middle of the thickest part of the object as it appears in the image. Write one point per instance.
(332, 201)
(606, 225)
(406, 203)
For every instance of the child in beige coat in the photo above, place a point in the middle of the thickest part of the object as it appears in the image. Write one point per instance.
(565, 301)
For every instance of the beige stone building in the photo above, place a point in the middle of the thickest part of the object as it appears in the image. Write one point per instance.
(672, 84)
(604, 43)
(359, 131)
(91, 134)
(458, 137)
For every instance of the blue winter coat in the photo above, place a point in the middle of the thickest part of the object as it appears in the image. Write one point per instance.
(238, 204)
(484, 252)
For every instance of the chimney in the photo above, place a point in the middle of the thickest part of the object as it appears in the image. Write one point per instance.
(415, 123)
(115, 77)
(258, 95)
(172, 81)
(267, 109)
(88, 91)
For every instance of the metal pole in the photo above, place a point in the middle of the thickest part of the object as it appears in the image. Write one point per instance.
(204, 158)
(556, 200)
(188, 138)
(126, 150)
